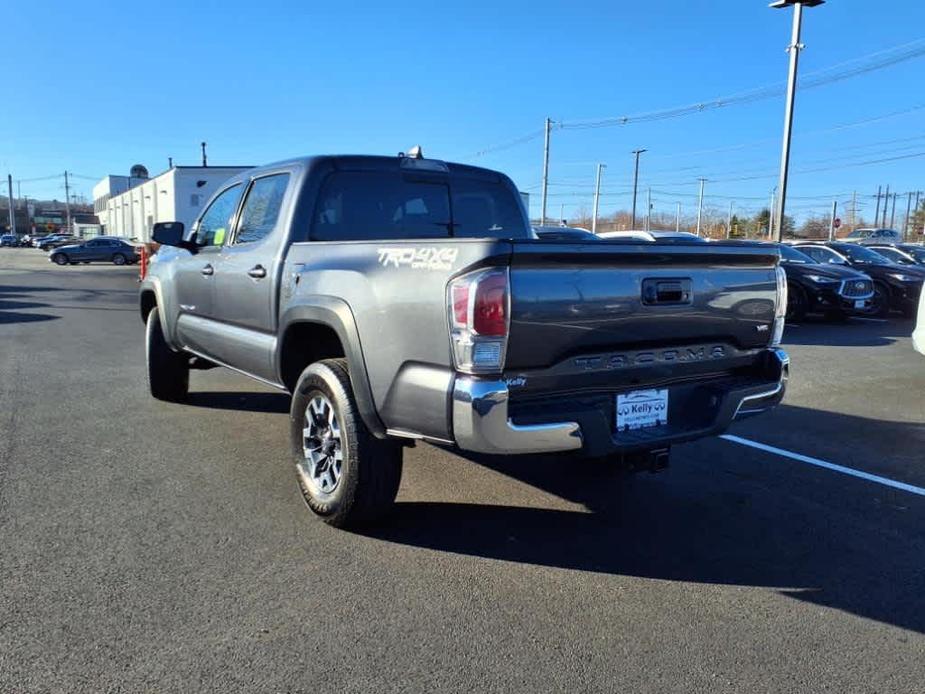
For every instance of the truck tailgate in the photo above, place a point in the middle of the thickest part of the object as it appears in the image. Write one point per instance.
(574, 299)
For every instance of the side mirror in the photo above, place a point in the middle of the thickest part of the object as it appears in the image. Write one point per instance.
(169, 234)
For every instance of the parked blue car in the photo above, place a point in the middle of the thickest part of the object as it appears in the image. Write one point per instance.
(103, 249)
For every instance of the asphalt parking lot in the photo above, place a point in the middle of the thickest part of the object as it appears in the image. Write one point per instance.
(156, 547)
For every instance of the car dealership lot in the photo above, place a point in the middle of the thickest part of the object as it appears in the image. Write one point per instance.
(166, 547)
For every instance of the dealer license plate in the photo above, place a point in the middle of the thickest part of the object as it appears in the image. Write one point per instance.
(859, 304)
(640, 409)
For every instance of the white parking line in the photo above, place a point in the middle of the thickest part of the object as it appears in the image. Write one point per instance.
(885, 481)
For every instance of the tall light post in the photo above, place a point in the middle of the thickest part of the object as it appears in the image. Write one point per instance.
(794, 49)
(597, 197)
(636, 152)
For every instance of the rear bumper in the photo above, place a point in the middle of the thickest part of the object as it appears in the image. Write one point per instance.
(484, 420)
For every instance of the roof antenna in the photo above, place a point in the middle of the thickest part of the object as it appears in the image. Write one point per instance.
(416, 152)
(204, 161)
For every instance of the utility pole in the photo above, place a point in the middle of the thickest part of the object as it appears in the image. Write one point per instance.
(794, 49)
(648, 208)
(854, 209)
(677, 219)
(908, 209)
(636, 152)
(67, 202)
(561, 212)
(886, 206)
(771, 213)
(205, 162)
(597, 197)
(893, 212)
(877, 212)
(914, 211)
(9, 183)
(548, 127)
(832, 220)
(729, 221)
(18, 194)
(700, 206)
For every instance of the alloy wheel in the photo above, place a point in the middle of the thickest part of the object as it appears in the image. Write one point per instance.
(322, 447)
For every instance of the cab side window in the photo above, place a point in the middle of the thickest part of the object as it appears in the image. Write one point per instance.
(216, 220)
(261, 208)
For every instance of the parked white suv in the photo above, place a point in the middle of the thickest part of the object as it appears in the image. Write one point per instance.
(918, 335)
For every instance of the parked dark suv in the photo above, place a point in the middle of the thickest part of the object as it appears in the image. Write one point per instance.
(834, 290)
(901, 253)
(896, 287)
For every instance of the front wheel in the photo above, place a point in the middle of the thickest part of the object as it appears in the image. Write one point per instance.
(168, 371)
(59, 259)
(347, 476)
(880, 304)
(118, 259)
(797, 303)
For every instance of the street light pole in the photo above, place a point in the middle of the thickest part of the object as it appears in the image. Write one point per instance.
(636, 152)
(794, 49)
(597, 198)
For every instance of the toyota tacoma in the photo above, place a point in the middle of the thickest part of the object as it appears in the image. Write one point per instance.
(401, 298)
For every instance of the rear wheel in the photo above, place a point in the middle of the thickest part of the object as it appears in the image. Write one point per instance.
(59, 259)
(797, 303)
(168, 371)
(346, 475)
(118, 259)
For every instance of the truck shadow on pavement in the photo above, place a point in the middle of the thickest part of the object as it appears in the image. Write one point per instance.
(241, 402)
(852, 333)
(709, 520)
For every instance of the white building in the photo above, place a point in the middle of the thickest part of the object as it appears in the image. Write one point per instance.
(129, 206)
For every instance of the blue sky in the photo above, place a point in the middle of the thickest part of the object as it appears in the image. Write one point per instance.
(100, 86)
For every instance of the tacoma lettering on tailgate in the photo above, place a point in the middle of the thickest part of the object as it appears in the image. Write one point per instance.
(625, 360)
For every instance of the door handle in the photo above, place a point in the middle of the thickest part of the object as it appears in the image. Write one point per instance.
(207, 270)
(257, 272)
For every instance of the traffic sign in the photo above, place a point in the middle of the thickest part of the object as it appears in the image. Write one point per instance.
(837, 222)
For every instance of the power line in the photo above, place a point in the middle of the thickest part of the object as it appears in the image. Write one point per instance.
(874, 61)
(812, 80)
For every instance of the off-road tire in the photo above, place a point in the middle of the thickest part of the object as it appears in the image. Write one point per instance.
(167, 371)
(370, 468)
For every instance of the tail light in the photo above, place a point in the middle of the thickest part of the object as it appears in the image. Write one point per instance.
(780, 311)
(479, 305)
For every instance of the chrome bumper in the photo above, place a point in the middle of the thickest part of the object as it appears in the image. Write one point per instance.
(759, 402)
(481, 423)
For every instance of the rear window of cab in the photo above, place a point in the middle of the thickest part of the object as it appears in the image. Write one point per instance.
(382, 205)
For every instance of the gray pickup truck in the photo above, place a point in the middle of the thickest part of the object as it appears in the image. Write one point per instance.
(402, 298)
